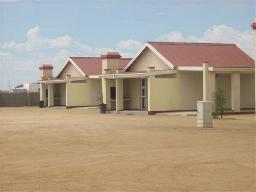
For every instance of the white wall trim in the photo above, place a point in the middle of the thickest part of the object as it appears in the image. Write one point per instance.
(185, 68)
(168, 63)
(74, 64)
(134, 58)
(82, 73)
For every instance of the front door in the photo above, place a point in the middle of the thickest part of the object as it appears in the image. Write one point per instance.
(144, 94)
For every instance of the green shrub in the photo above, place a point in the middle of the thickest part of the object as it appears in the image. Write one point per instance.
(220, 102)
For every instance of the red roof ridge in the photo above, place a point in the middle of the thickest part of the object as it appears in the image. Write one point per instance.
(84, 57)
(189, 43)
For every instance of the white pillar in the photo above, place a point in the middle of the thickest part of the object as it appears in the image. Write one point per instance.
(208, 83)
(106, 92)
(50, 95)
(212, 85)
(254, 39)
(150, 82)
(68, 92)
(43, 92)
(235, 91)
(205, 82)
(119, 94)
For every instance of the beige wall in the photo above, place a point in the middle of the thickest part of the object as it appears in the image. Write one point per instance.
(84, 93)
(132, 96)
(190, 89)
(247, 90)
(163, 93)
(178, 92)
(147, 59)
(223, 82)
(70, 70)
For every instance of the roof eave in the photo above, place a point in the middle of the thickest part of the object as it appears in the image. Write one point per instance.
(147, 45)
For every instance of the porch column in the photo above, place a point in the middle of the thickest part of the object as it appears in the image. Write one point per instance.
(150, 99)
(235, 91)
(208, 83)
(43, 92)
(205, 82)
(106, 92)
(50, 95)
(212, 88)
(119, 94)
(68, 84)
(254, 40)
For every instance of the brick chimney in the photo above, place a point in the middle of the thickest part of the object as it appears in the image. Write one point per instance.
(45, 71)
(110, 62)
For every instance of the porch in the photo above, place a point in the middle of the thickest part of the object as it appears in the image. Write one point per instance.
(63, 92)
(126, 94)
(130, 91)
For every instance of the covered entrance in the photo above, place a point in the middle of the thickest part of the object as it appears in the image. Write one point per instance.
(129, 91)
(144, 93)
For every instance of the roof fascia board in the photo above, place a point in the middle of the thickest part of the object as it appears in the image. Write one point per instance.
(133, 59)
(215, 69)
(233, 69)
(94, 76)
(191, 68)
(72, 79)
(168, 63)
(136, 75)
(78, 68)
(63, 69)
(147, 45)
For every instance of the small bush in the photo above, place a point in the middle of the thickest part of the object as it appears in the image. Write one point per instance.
(220, 102)
(214, 115)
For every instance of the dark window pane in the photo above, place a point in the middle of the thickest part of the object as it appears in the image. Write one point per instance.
(143, 82)
(112, 92)
(143, 92)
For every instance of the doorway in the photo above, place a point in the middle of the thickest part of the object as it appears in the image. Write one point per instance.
(144, 93)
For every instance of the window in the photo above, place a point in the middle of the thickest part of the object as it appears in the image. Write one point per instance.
(143, 82)
(113, 92)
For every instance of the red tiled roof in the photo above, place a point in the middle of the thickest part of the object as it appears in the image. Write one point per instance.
(92, 65)
(194, 54)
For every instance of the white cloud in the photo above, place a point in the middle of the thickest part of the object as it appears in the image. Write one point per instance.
(172, 36)
(35, 41)
(129, 44)
(9, 1)
(20, 60)
(217, 34)
(61, 42)
(4, 55)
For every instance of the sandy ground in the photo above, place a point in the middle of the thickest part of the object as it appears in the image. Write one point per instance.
(81, 150)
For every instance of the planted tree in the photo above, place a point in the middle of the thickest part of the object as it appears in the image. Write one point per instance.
(220, 102)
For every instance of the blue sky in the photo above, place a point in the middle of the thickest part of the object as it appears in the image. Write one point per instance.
(48, 31)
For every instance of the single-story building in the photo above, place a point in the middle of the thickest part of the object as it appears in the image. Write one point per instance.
(163, 76)
(78, 83)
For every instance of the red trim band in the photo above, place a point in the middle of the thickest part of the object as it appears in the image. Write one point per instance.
(253, 25)
(110, 56)
(46, 67)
